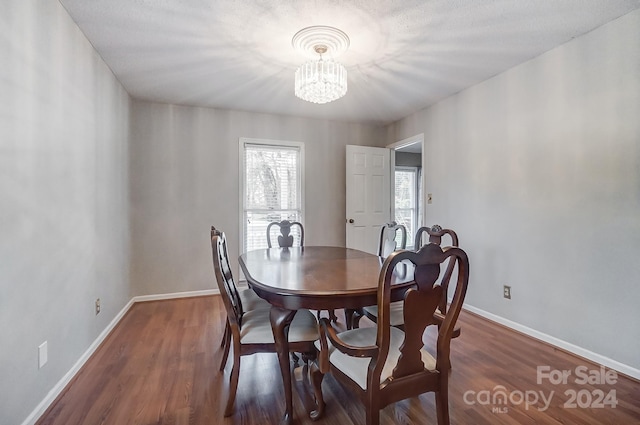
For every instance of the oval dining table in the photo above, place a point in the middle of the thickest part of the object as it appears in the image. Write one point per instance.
(315, 278)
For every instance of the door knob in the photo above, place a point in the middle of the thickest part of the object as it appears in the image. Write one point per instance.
(351, 221)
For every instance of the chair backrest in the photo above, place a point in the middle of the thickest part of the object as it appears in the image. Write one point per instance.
(419, 306)
(388, 233)
(285, 238)
(436, 233)
(224, 278)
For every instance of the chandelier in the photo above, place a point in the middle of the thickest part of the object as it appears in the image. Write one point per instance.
(322, 79)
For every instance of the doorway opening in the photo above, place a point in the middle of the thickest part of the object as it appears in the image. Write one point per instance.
(407, 197)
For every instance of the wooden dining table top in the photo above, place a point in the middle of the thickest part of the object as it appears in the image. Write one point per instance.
(317, 277)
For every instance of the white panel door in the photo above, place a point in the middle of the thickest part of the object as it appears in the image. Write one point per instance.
(368, 195)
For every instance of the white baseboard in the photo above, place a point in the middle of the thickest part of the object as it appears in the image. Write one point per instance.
(159, 297)
(60, 386)
(62, 383)
(579, 351)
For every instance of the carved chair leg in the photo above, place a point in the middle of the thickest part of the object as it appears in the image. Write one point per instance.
(233, 384)
(442, 403)
(309, 356)
(456, 332)
(372, 412)
(332, 316)
(316, 380)
(348, 317)
(226, 343)
(226, 334)
(354, 322)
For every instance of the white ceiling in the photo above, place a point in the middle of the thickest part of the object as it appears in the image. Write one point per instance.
(404, 56)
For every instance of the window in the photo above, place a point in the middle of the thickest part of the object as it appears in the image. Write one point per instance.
(272, 182)
(406, 205)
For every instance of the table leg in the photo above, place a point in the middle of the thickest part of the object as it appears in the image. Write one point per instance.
(280, 321)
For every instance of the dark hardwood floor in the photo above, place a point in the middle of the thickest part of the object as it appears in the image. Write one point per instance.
(160, 366)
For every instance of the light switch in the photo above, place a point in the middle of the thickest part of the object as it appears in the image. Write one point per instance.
(42, 354)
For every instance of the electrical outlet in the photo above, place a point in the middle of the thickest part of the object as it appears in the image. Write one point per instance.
(97, 306)
(429, 198)
(507, 292)
(42, 354)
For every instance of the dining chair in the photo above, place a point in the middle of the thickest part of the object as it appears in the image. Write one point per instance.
(435, 233)
(249, 301)
(385, 364)
(250, 331)
(387, 243)
(287, 240)
(388, 238)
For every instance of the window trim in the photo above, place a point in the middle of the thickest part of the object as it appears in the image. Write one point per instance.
(243, 142)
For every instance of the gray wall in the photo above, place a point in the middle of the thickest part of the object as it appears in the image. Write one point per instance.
(408, 159)
(63, 199)
(184, 178)
(538, 169)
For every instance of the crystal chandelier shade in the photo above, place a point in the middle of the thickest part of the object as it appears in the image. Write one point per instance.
(320, 80)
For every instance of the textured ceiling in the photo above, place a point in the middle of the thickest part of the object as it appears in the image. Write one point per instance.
(404, 54)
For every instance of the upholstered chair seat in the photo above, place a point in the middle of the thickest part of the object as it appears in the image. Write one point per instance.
(251, 301)
(395, 309)
(256, 327)
(356, 367)
(396, 315)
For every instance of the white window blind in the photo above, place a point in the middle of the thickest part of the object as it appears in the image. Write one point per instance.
(272, 189)
(406, 211)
